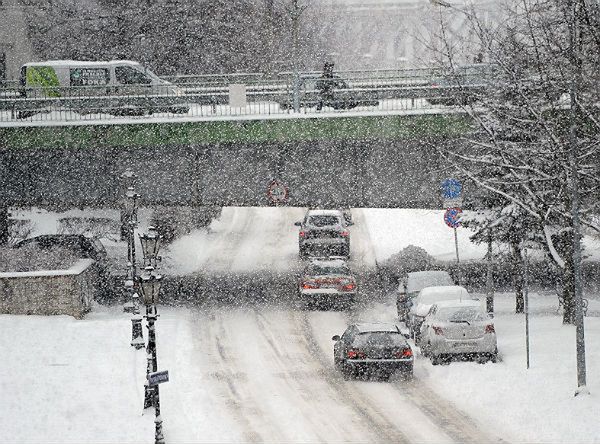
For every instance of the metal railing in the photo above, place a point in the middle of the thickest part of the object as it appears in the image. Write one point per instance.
(208, 96)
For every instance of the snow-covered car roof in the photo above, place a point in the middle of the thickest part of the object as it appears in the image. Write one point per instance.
(432, 295)
(372, 327)
(327, 262)
(458, 303)
(418, 280)
(324, 213)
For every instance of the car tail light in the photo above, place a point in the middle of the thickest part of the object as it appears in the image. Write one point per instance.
(344, 233)
(302, 233)
(490, 328)
(356, 354)
(307, 285)
(406, 353)
(437, 330)
(347, 285)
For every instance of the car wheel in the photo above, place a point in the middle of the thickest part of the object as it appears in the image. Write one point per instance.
(303, 252)
(337, 363)
(494, 357)
(346, 373)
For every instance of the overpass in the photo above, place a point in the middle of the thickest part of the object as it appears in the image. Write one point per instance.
(357, 161)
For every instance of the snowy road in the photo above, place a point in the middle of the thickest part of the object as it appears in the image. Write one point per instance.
(268, 375)
(266, 368)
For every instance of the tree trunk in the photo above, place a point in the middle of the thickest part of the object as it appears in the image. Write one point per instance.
(568, 290)
(517, 273)
(4, 226)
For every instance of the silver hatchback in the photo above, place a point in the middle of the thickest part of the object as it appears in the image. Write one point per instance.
(458, 329)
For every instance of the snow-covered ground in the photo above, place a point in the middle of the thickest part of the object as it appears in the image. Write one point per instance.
(266, 374)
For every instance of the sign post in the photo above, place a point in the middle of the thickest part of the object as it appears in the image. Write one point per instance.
(452, 195)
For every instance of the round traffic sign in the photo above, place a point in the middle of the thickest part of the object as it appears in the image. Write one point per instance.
(452, 217)
(451, 188)
(277, 192)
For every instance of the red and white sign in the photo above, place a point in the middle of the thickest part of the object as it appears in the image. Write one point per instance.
(277, 192)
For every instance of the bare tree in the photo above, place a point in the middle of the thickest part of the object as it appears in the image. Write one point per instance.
(521, 148)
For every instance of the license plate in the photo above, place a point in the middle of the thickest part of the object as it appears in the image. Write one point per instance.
(465, 344)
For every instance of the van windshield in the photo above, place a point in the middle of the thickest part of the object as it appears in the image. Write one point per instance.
(126, 75)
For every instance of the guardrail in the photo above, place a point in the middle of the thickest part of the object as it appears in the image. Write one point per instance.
(267, 97)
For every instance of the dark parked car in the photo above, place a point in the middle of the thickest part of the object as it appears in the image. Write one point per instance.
(372, 348)
(324, 233)
(80, 245)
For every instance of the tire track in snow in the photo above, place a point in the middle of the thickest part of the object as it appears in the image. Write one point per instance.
(224, 363)
(455, 423)
(383, 429)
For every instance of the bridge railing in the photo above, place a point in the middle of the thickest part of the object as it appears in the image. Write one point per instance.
(380, 91)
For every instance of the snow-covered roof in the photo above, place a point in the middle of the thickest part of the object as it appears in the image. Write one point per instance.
(369, 327)
(325, 262)
(77, 268)
(459, 303)
(431, 295)
(418, 280)
(325, 213)
(81, 63)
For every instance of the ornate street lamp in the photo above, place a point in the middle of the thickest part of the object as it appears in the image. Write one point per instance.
(149, 284)
(130, 213)
(150, 242)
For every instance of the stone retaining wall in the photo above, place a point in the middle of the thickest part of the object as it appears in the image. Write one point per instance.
(50, 292)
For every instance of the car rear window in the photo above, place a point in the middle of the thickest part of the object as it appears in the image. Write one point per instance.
(316, 270)
(460, 314)
(379, 338)
(323, 220)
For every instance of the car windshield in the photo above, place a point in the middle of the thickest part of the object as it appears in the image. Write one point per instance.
(379, 339)
(317, 270)
(323, 220)
(460, 314)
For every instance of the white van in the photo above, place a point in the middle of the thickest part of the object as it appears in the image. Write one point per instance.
(72, 78)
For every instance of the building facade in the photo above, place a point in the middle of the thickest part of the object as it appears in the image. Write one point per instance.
(15, 46)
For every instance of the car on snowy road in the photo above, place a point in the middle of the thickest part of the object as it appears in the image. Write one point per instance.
(327, 280)
(367, 349)
(414, 282)
(419, 307)
(458, 329)
(324, 233)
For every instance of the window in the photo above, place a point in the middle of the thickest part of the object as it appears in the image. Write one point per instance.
(128, 76)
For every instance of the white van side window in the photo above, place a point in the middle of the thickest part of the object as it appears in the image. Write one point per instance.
(128, 76)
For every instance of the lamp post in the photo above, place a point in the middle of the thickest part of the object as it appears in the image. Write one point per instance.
(149, 283)
(131, 198)
(150, 288)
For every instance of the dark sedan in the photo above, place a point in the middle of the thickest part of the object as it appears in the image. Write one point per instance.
(373, 349)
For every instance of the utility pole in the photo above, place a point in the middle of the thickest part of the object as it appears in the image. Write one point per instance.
(574, 190)
(489, 281)
(295, 12)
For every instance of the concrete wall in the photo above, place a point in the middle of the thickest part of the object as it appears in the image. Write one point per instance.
(53, 292)
(14, 40)
(373, 173)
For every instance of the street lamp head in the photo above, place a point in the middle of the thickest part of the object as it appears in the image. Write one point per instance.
(150, 243)
(149, 283)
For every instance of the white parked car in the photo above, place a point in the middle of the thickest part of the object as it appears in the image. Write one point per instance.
(414, 282)
(458, 328)
(419, 306)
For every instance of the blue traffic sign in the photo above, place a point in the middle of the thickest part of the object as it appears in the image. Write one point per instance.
(452, 217)
(451, 188)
